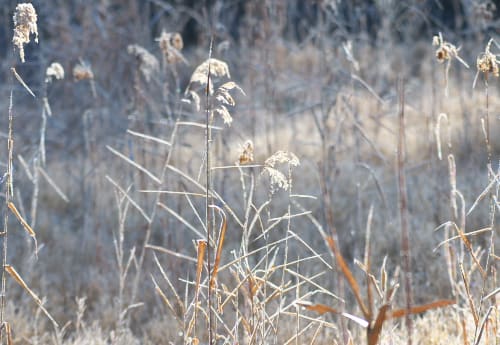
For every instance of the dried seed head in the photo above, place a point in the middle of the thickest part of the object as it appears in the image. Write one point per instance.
(445, 50)
(176, 41)
(25, 19)
(484, 10)
(277, 179)
(218, 69)
(246, 156)
(282, 157)
(148, 63)
(487, 62)
(82, 71)
(171, 44)
(224, 113)
(55, 70)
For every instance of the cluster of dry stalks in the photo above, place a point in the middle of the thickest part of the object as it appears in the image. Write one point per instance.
(249, 274)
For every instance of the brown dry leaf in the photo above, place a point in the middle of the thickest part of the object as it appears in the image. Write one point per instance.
(13, 273)
(318, 308)
(349, 276)
(25, 224)
(422, 308)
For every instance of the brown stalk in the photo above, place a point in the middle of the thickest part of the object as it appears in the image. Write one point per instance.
(373, 332)
(220, 244)
(403, 211)
(349, 276)
(202, 246)
(469, 296)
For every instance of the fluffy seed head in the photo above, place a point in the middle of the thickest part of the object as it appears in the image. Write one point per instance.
(487, 62)
(82, 71)
(25, 19)
(171, 44)
(282, 157)
(55, 70)
(218, 69)
(148, 63)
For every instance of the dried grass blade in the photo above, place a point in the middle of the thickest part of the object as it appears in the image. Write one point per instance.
(148, 137)
(165, 276)
(220, 244)
(8, 330)
(483, 194)
(181, 219)
(375, 329)
(165, 299)
(202, 246)
(469, 296)
(170, 252)
(53, 184)
(422, 308)
(482, 326)
(367, 262)
(25, 224)
(318, 308)
(13, 273)
(134, 164)
(129, 198)
(348, 275)
(468, 245)
(21, 81)
(493, 293)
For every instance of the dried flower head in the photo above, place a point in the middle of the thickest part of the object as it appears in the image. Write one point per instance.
(224, 98)
(487, 63)
(218, 69)
(246, 156)
(55, 70)
(446, 51)
(277, 178)
(171, 44)
(82, 71)
(148, 63)
(281, 157)
(25, 19)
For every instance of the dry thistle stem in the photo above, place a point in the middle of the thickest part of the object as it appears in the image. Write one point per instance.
(148, 63)
(25, 19)
(55, 70)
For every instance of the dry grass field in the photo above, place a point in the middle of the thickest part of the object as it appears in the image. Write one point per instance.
(250, 172)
